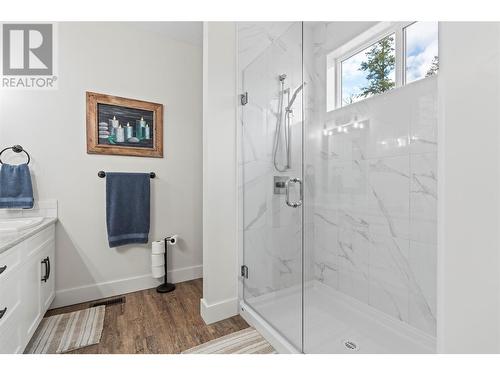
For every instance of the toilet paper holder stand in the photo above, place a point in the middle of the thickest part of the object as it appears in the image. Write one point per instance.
(167, 287)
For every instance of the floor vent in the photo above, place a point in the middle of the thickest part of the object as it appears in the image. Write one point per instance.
(351, 345)
(113, 301)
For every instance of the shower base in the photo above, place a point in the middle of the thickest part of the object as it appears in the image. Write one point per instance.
(333, 323)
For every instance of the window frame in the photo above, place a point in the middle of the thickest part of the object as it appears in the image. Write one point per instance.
(358, 44)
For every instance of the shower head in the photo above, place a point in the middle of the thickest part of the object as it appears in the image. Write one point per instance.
(294, 96)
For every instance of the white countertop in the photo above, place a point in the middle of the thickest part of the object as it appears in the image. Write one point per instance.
(9, 240)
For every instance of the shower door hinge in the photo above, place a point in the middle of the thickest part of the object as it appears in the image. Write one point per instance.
(244, 98)
(244, 272)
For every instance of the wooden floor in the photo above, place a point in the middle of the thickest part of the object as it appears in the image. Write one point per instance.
(149, 322)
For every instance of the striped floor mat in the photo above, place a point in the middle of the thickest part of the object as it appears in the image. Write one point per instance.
(247, 341)
(65, 332)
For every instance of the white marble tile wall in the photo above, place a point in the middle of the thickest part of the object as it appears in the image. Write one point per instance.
(255, 37)
(375, 204)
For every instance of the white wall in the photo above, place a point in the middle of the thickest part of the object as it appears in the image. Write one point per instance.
(220, 256)
(468, 258)
(117, 59)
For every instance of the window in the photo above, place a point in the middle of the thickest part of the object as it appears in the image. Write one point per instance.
(421, 55)
(369, 72)
(388, 55)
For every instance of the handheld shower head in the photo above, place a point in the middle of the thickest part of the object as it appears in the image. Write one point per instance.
(294, 96)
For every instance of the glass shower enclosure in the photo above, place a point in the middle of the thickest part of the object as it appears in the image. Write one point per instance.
(338, 187)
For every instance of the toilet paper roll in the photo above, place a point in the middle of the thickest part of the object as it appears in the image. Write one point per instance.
(158, 247)
(157, 260)
(158, 271)
(173, 239)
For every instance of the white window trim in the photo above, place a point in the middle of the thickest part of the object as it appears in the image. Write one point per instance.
(358, 44)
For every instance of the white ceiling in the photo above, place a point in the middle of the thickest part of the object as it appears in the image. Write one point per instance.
(183, 31)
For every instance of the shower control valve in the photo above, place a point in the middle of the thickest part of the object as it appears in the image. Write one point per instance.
(279, 184)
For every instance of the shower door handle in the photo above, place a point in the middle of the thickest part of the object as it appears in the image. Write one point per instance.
(287, 189)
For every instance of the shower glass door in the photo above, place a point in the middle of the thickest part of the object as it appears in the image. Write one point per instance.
(346, 262)
(272, 174)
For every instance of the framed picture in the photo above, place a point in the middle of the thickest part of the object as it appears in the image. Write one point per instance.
(121, 126)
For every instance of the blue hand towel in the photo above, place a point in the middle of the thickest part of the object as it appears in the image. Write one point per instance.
(16, 190)
(127, 208)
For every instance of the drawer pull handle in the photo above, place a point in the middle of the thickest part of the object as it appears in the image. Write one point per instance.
(2, 269)
(46, 263)
(2, 312)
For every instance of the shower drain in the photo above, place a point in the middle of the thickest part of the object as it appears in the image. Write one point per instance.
(351, 345)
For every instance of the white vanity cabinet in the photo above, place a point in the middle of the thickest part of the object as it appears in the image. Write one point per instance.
(26, 288)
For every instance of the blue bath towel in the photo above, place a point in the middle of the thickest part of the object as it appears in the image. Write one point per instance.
(127, 208)
(16, 190)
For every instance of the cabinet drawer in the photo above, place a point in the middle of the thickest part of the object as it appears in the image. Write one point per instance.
(9, 262)
(10, 299)
(10, 337)
(10, 327)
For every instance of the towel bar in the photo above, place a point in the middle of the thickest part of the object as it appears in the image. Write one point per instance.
(102, 174)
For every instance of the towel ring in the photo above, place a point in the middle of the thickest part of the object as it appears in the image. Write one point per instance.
(17, 149)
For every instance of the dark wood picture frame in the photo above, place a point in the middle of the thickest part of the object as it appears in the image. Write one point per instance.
(93, 144)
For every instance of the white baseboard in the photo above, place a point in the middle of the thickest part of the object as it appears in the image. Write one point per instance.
(71, 296)
(212, 313)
